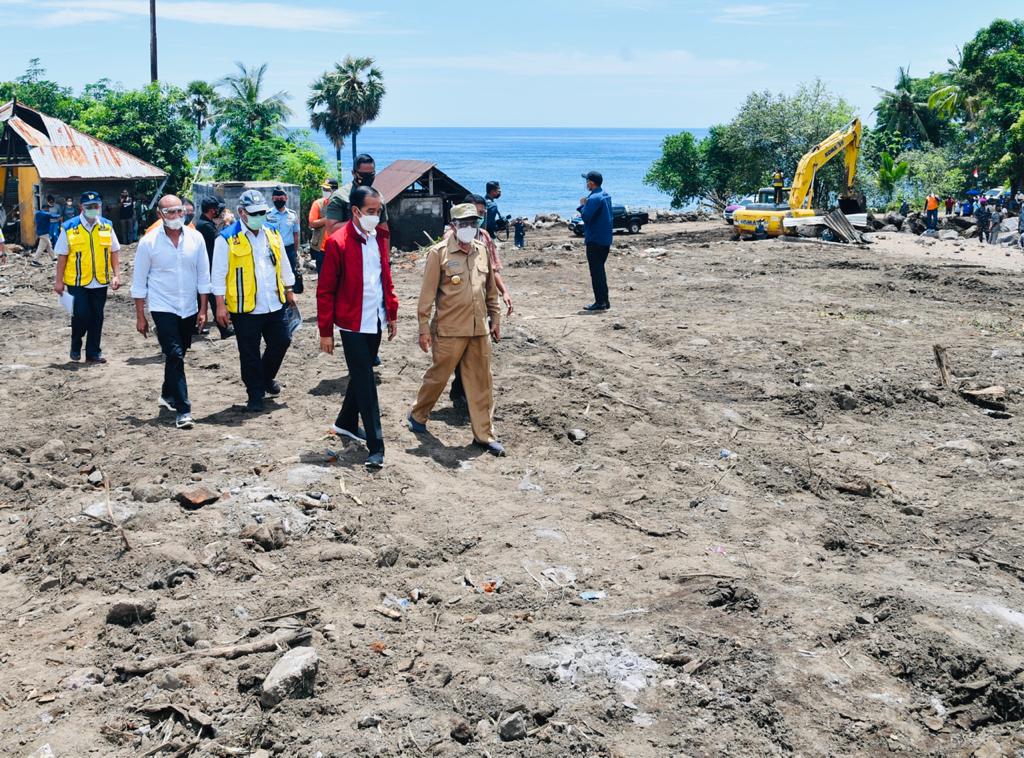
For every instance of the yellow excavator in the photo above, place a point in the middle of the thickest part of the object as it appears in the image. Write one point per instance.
(768, 218)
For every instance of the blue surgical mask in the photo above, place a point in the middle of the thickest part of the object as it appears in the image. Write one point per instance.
(91, 213)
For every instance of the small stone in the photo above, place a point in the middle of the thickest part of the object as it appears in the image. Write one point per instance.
(912, 510)
(81, 678)
(11, 478)
(267, 536)
(700, 342)
(168, 681)
(196, 498)
(862, 619)
(577, 436)
(388, 556)
(130, 612)
(197, 467)
(193, 631)
(543, 712)
(513, 728)
(618, 326)
(53, 450)
(462, 733)
(147, 492)
(344, 551)
(294, 675)
(846, 401)
(96, 477)
(367, 722)
(49, 583)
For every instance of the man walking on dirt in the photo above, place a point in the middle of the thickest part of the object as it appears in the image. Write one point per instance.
(87, 262)
(252, 282)
(596, 211)
(210, 211)
(171, 271)
(460, 291)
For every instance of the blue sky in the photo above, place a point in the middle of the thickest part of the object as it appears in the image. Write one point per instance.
(629, 63)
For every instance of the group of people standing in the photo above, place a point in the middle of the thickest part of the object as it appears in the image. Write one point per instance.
(988, 213)
(247, 270)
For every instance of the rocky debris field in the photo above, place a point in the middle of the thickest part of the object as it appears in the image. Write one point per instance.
(741, 515)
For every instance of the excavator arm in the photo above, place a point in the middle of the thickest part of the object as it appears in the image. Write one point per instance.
(847, 141)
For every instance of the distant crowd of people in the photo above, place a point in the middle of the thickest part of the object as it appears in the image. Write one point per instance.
(988, 213)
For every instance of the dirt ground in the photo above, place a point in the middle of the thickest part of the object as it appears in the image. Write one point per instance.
(794, 539)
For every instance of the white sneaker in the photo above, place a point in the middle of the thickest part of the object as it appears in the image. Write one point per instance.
(184, 421)
(165, 402)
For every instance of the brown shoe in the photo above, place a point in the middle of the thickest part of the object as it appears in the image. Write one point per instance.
(101, 359)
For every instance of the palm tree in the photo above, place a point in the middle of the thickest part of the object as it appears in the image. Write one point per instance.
(245, 108)
(890, 174)
(953, 98)
(201, 103)
(900, 109)
(325, 113)
(362, 89)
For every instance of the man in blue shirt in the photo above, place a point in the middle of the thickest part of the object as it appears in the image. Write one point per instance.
(493, 192)
(596, 211)
(287, 222)
(43, 244)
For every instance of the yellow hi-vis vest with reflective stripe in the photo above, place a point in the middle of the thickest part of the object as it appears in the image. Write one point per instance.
(88, 252)
(240, 296)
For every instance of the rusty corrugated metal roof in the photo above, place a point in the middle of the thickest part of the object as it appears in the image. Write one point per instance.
(63, 152)
(393, 180)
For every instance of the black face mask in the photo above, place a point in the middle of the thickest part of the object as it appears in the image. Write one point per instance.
(188, 218)
(279, 204)
(365, 179)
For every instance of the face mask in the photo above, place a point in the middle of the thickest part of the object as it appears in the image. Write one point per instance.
(480, 223)
(369, 223)
(466, 234)
(255, 222)
(366, 179)
(174, 223)
(189, 217)
(279, 204)
(326, 193)
(91, 212)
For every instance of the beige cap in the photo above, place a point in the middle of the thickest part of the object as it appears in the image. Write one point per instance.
(464, 210)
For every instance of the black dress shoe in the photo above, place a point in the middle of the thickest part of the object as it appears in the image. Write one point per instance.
(273, 389)
(493, 447)
(254, 406)
(596, 307)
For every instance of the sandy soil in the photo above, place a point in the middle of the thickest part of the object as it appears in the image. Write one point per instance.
(798, 540)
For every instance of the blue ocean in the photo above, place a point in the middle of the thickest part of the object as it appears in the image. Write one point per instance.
(539, 169)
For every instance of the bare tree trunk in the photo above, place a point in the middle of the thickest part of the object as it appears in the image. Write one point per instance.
(152, 41)
(337, 159)
(354, 151)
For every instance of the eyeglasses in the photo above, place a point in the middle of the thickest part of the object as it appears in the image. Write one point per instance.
(174, 211)
(465, 223)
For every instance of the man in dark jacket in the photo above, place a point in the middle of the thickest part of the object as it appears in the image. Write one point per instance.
(209, 211)
(596, 211)
(982, 217)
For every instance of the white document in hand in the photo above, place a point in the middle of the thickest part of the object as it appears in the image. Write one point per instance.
(68, 301)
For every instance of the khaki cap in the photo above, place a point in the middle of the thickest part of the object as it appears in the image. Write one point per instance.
(464, 210)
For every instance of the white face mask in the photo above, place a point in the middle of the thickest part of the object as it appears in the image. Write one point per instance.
(174, 223)
(465, 235)
(369, 223)
(327, 193)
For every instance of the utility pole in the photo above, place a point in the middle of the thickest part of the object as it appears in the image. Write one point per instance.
(152, 40)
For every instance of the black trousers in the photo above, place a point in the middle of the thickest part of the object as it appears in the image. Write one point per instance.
(258, 371)
(778, 195)
(293, 259)
(597, 256)
(87, 319)
(361, 394)
(318, 258)
(175, 336)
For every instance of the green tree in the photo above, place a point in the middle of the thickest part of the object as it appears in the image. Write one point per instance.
(889, 174)
(905, 109)
(678, 171)
(362, 91)
(201, 103)
(932, 169)
(149, 123)
(304, 166)
(326, 113)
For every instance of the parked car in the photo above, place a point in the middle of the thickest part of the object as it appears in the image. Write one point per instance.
(622, 218)
(731, 208)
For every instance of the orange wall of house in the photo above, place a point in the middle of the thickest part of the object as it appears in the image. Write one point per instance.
(28, 177)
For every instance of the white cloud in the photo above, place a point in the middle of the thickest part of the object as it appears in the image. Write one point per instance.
(261, 15)
(760, 14)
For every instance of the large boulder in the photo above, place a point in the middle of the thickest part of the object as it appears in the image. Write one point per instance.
(962, 222)
(971, 231)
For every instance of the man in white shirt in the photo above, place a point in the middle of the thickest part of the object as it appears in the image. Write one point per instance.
(252, 281)
(171, 268)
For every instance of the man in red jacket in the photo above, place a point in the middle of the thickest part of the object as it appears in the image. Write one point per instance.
(355, 292)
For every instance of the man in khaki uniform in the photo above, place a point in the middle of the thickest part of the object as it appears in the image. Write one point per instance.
(460, 288)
